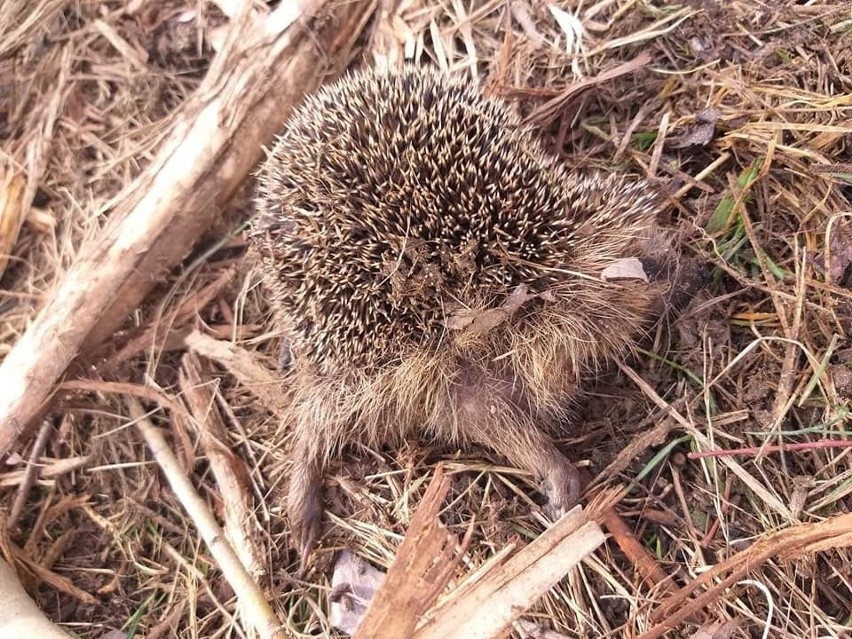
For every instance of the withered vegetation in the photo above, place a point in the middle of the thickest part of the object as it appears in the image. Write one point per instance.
(742, 110)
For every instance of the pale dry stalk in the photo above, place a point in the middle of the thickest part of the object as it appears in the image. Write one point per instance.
(258, 611)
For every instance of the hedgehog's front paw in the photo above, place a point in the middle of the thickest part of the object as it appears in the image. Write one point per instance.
(305, 512)
(562, 487)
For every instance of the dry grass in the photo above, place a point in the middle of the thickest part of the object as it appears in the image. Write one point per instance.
(743, 111)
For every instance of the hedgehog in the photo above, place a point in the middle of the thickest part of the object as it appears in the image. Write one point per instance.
(437, 275)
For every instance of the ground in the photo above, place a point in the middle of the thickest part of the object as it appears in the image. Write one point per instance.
(741, 110)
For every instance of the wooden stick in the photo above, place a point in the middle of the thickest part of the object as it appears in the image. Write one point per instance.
(422, 568)
(232, 476)
(649, 570)
(486, 605)
(709, 586)
(259, 76)
(31, 473)
(258, 611)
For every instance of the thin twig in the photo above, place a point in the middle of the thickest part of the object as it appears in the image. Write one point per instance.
(259, 612)
(754, 451)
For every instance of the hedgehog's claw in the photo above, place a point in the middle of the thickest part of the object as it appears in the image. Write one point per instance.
(306, 544)
(562, 488)
(305, 535)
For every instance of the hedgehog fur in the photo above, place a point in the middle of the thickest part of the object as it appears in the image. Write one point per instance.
(396, 214)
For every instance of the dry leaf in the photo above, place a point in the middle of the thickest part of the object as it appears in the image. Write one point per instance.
(484, 320)
(701, 133)
(13, 459)
(841, 375)
(716, 630)
(629, 268)
(353, 585)
(571, 27)
(534, 631)
(841, 251)
(802, 485)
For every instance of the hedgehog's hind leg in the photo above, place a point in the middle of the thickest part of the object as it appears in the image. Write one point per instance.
(525, 446)
(319, 433)
(495, 415)
(304, 497)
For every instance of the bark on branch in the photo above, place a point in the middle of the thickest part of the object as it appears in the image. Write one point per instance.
(264, 69)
